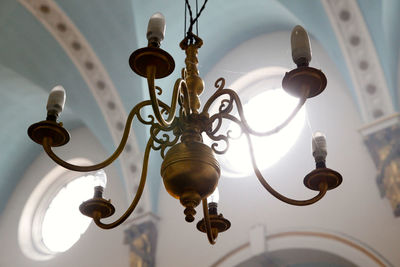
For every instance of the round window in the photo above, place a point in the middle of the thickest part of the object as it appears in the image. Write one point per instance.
(51, 222)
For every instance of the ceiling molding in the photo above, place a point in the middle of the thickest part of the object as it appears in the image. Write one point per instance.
(373, 95)
(75, 45)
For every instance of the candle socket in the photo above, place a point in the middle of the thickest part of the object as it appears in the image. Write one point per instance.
(52, 115)
(212, 208)
(154, 42)
(320, 164)
(98, 192)
(302, 62)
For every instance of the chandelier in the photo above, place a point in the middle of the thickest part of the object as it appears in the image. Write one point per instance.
(189, 169)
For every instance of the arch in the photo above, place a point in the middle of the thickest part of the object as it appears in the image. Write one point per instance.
(347, 247)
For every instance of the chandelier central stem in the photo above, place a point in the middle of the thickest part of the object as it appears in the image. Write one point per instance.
(190, 74)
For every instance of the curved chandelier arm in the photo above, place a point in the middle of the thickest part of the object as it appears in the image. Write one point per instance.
(210, 235)
(155, 102)
(219, 84)
(323, 186)
(225, 138)
(135, 201)
(226, 106)
(114, 156)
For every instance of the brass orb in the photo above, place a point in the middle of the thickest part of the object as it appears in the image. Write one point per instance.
(190, 173)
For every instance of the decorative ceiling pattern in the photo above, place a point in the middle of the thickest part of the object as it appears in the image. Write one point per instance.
(99, 82)
(366, 72)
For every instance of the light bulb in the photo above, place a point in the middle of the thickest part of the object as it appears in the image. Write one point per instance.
(301, 51)
(214, 197)
(56, 101)
(319, 147)
(100, 178)
(156, 28)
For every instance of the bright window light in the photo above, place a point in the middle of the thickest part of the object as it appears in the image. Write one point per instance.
(63, 224)
(263, 112)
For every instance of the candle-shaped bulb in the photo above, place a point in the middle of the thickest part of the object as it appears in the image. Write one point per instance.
(214, 197)
(100, 178)
(319, 147)
(156, 28)
(56, 101)
(301, 49)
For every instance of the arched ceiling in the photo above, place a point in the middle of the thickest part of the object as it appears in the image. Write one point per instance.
(32, 61)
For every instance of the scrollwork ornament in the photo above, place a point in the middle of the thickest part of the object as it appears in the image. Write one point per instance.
(165, 140)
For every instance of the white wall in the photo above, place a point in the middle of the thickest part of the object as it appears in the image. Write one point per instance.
(96, 247)
(355, 208)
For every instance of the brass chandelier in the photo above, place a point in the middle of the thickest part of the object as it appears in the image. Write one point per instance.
(189, 169)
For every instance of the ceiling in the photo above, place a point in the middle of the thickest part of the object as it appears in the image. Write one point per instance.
(32, 60)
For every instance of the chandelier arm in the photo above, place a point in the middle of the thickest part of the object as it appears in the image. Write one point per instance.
(323, 187)
(219, 138)
(248, 129)
(210, 236)
(138, 195)
(108, 161)
(225, 138)
(156, 128)
(155, 102)
(233, 96)
(219, 84)
(164, 141)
